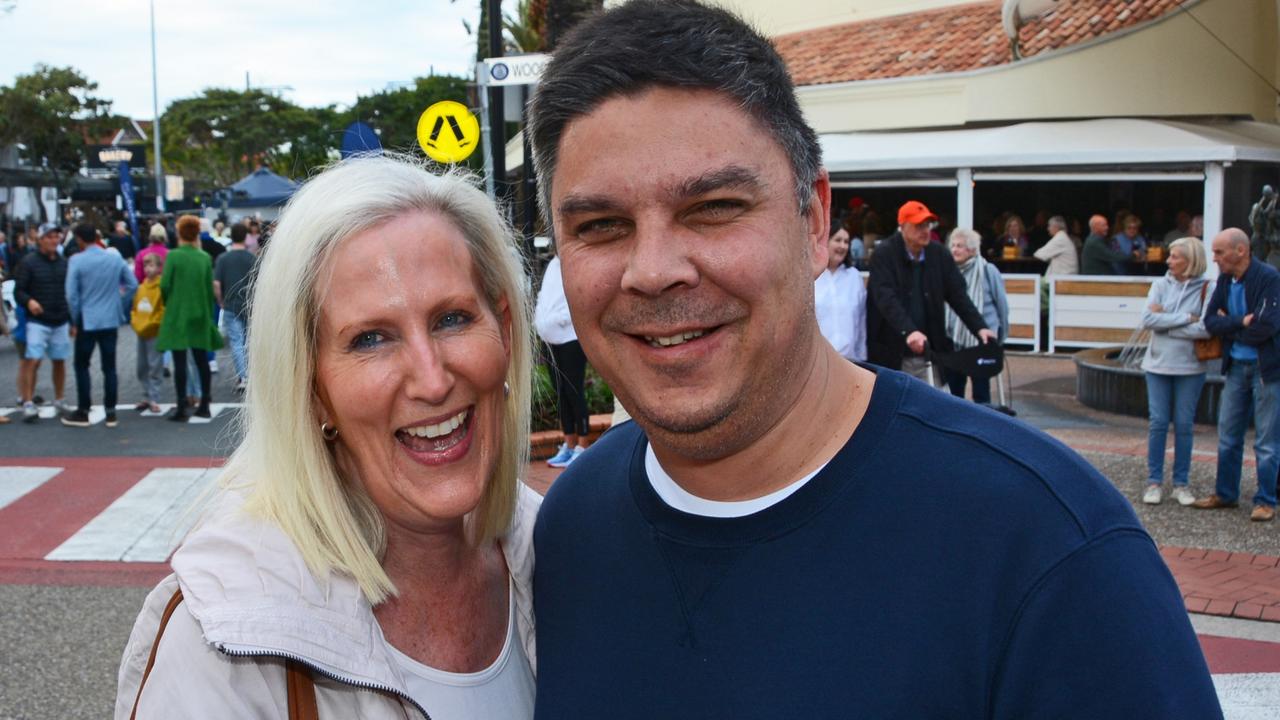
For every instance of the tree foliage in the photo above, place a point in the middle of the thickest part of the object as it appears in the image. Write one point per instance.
(222, 135)
(526, 32)
(50, 113)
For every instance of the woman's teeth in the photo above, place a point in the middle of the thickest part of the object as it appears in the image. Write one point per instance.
(438, 430)
(673, 339)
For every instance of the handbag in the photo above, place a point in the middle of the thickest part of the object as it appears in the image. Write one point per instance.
(1209, 348)
(301, 688)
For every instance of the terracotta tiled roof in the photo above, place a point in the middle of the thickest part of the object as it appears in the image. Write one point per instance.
(950, 39)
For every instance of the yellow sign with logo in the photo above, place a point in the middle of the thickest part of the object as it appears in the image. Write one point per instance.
(448, 132)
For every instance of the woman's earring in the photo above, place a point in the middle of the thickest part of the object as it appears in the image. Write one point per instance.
(506, 389)
(328, 432)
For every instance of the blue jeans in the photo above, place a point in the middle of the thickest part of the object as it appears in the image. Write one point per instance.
(1244, 388)
(236, 334)
(105, 340)
(1171, 397)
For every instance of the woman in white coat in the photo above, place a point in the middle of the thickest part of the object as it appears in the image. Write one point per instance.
(369, 550)
(1175, 316)
(840, 300)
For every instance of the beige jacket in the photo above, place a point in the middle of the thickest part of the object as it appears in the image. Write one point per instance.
(1061, 255)
(249, 602)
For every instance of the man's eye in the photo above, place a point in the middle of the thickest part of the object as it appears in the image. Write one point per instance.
(718, 209)
(600, 228)
(367, 340)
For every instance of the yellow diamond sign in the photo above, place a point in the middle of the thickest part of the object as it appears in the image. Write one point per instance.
(448, 132)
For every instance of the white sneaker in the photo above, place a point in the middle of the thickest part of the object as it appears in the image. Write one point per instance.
(577, 453)
(1153, 495)
(213, 366)
(1183, 496)
(63, 406)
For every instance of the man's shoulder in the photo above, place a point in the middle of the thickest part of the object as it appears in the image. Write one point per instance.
(598, 475)
(1004, 469)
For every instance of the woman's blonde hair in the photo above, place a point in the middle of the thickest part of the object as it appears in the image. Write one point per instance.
(285, 465)
(1194, 251)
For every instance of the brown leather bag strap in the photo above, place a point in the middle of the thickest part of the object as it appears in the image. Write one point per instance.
(151, 661)
(302, 692)
(301, 689)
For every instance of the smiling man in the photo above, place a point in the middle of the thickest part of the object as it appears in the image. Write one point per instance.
(781, 533)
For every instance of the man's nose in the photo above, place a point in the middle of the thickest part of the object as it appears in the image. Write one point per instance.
(660, 259)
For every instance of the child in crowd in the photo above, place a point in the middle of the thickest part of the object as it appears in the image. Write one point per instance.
(148, 311)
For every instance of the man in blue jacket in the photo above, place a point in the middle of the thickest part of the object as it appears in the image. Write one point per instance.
(1245, 313)
(96, 280)
(781, 533)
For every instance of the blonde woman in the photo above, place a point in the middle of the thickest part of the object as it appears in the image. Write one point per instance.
(1175, 316)
(370, 534)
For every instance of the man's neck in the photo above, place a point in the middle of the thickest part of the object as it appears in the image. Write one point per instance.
(832, 400)
(1244, 269)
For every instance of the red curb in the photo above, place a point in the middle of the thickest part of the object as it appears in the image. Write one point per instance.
(1248, 611)
(1233, 655)
(1220, 607)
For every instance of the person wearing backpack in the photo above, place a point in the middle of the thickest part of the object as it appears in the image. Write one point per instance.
(148, 311)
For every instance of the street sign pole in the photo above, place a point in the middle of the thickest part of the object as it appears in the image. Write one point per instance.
(484, 129)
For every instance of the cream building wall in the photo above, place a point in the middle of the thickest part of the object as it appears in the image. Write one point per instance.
(1171, 67)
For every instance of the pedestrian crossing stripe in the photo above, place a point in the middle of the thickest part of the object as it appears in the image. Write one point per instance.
(97, 414)
(18, 481)
(146, 523)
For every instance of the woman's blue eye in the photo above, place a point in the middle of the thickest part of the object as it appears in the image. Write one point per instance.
(454, 320)
(366, 340)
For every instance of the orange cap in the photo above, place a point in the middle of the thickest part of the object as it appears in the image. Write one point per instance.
(914, 212)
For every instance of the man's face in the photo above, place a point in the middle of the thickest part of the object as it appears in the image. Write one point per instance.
(688, 267)
(1131, 229)
(1099, 225)
(1230, 257)
(916, 236)
(48, 243)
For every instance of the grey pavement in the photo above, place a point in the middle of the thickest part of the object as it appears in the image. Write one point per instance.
(135, 435)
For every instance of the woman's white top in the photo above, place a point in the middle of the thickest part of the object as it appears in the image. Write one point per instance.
(840, 300)
(551, 312)
(505, 689)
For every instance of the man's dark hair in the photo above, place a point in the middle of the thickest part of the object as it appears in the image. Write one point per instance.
(85, 233)
(669, 43)
(238, 233)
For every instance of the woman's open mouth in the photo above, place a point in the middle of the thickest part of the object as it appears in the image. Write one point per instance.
(439, 442)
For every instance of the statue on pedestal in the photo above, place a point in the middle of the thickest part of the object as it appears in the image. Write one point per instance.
(1264, 218)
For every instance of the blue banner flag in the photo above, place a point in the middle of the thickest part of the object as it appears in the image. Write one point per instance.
(126, 189)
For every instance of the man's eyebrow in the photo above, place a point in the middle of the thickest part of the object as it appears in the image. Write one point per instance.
(732, 176)
(587, 204)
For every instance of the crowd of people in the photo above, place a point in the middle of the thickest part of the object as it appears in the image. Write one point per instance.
(73, 290)
(942, 317)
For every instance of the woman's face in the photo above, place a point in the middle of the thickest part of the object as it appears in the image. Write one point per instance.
(837, 249)
(1131, 228)
(960, 251)
(1014, 229)
(410, 364)
(1178, 263)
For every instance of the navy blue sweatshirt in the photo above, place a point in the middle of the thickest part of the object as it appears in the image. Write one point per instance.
(948, 562)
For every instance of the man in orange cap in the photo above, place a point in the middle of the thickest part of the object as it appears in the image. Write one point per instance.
(911, 278)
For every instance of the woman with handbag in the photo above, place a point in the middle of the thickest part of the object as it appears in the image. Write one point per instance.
(369, 551)
(1174, 373)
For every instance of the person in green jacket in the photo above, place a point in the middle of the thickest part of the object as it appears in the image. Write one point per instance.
(187, 287)
(1098, 256)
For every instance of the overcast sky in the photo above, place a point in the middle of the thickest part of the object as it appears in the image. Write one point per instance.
(328, 51)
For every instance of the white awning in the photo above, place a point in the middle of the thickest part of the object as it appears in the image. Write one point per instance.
(1113, 142)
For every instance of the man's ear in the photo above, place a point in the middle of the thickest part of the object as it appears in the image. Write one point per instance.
(818, 220)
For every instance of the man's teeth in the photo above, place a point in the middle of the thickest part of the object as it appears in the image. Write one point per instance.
(435, 431)
(673, 339)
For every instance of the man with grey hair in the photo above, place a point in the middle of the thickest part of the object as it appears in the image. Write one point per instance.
(780, 532)
(1060, 251)
(1245, 313)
